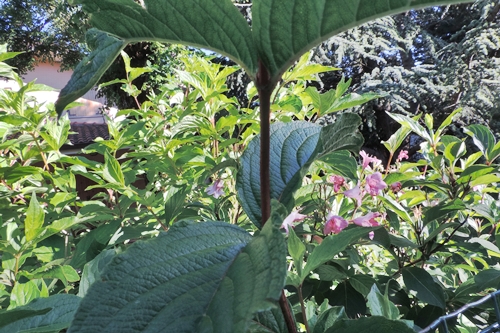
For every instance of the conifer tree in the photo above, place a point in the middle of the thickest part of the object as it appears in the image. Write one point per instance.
(429, 61)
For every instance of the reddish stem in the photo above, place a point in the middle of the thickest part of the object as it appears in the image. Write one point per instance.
(265, 88)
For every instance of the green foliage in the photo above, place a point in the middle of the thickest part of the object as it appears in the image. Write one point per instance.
(372, 324)
(269, 42)
(425, 233)
(432, 60)
(43, 30)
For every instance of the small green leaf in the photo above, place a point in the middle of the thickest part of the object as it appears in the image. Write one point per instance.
(427, 289)
(112, 170)
(342, 163)
(93, 243)
(395, 141)
(57, 226)
(93, 269)
(447, 121)
(362, 283)
(429, 122)
(331, 246)
(51, 314)
(64, 273)
(306, 71)
(412, 123)
(34, 219)
(209, 277)
(396, 208)
(374, 324)
(489, 278)
(297, 249)
(24, 293)
(485, 180)
(328, 318)
(485, 243)
(380, 305)
(483, 139)
(174, 204)
(473, 172)
(269, 321)
(442, 209)
(57, 133)
(350, 101)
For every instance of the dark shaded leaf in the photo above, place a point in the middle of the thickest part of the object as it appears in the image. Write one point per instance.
(50, 314)
(428, 291)
(209, 277)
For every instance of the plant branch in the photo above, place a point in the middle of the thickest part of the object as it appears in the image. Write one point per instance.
(287, 313)
(265, 88)
(303, 308)
(439, 246)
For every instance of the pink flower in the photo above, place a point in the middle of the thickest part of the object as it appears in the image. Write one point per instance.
(216, 189)
(374, 183)
(396, 187)
(367, 159)
(368, 220)
(335, 224)
(294, 216)
(371, 234)
(403, 155)
(337, 181)
(355, 193)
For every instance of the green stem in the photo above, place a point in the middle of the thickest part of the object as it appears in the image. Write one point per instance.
(45, 164)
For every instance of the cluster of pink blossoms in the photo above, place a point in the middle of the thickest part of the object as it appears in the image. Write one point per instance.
(373, 186)
(336, 224)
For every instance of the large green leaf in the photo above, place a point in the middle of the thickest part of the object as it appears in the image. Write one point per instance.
(204, 277)
(211, 24)
(293, 149)
(295, 146)
(284, 29)
(428, 291)
(374, 324)
(88, 72)
(50, 314)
